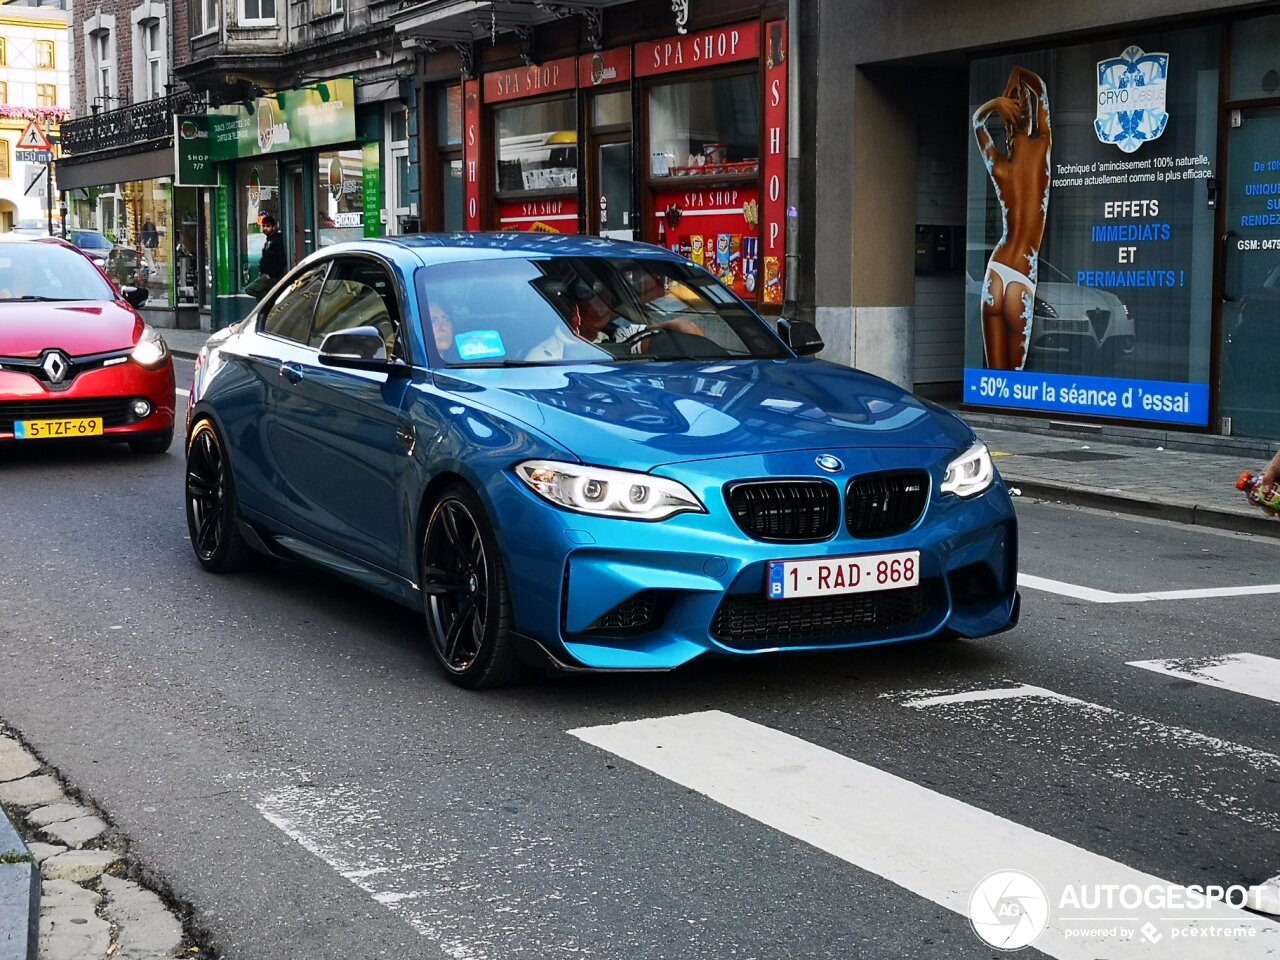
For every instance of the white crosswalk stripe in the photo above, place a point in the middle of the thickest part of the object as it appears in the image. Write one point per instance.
(914, 837)
(1247, 673)
(1093, 595)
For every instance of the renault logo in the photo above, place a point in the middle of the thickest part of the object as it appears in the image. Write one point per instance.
(829, 463)
(56, 365)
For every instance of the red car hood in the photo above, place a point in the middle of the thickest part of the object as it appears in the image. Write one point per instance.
(79, 329)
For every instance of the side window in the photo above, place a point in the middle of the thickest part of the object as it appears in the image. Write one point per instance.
(290, 315)
(359, 293)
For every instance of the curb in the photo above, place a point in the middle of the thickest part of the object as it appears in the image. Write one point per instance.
(1192, 514)
(19, 896)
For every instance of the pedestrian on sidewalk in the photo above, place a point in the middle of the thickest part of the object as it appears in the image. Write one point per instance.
(272, 264)
(1271, 478)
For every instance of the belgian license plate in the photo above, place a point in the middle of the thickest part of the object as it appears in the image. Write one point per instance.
(789, 579)
(54, 429)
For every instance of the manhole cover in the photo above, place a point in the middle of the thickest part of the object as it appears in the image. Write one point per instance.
(1075, 456)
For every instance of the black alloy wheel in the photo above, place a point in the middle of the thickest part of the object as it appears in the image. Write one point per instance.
(465, 596)
(211, 503)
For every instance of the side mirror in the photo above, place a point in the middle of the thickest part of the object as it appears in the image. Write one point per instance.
(360, 348)
(136, 297)
(801, 336)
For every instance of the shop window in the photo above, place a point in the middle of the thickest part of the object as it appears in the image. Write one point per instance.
(4, 159)
(257, 12)
(705, 127)
(449, 117)
(1255, 58)
(451, 207)
(537, 147)
(447, 213)
(340, 196)
(290, 315)
(611, 109)
(46, 94)
(44, 55)
(142, 256)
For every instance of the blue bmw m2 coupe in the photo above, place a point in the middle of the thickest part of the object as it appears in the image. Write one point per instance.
(586, 454)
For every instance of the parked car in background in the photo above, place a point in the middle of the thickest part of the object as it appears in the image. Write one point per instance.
(586, 455)
(95, 244)
(76, 358)
(30, 228)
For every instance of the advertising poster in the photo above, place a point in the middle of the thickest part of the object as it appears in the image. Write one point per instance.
(1089, 254)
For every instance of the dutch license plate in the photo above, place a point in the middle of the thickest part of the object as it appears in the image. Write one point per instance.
(789, 579)
(54, 429)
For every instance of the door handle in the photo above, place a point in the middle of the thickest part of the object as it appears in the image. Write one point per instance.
(1228, 263)
(291, 372)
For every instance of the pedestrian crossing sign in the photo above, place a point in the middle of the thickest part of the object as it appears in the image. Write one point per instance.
(33, 138)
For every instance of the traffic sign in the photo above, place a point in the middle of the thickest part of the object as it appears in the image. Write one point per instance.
(33, 156)
(36, 175)
(33, 138)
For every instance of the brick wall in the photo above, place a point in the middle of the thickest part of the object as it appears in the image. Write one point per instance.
(122, 10)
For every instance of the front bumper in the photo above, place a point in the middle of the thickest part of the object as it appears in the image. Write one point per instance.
(108, 392)
(618, 594)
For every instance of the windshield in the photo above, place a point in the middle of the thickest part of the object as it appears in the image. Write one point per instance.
(547, 310)
(46, 271)
(89, 238)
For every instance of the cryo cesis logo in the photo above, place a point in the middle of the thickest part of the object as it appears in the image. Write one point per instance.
(1008, 909)
(1131, 98)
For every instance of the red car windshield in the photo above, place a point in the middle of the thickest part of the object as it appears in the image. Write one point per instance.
(47, 271)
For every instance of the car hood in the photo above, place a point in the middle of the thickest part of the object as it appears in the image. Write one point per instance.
(78, 328)
(642, 415)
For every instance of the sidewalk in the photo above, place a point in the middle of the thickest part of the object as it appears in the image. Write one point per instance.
(1192, 476)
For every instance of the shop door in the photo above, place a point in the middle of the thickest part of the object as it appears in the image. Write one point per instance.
(612, 207)
(294, 226)
(1250, 282)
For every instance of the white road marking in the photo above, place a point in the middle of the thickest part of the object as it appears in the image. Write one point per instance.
(1106, 596)
(1245, 673)
(920, 840)
(1130, 749)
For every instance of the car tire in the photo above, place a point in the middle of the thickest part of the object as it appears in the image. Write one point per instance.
(211, 504)
(464, 594)
(153, 443)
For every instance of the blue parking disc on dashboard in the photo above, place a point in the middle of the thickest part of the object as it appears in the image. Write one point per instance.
(480, 345)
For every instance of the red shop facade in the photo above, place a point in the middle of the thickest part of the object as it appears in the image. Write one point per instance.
(673, 139)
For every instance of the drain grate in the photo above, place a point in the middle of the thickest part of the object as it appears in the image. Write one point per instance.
(1075, 456)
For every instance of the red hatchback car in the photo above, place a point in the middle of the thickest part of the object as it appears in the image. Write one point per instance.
(76, 358)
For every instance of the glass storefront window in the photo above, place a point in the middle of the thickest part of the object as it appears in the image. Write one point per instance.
(142, 255)
(537, 146)
(449, 116)
(257, 192)
(451, 180)
(340, 196)
(186, 223)
(608, 109)
(1255, 58)
(705, 127)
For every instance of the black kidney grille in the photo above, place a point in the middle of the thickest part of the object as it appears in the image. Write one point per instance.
(114, 411)
(786, 511)
(751, 621)
(885, 503)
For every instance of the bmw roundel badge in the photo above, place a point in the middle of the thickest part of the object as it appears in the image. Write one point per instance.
(829, 463)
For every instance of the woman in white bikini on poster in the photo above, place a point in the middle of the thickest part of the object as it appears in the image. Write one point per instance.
(1021, 180)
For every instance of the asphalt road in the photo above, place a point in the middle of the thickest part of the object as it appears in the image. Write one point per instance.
(280, 748)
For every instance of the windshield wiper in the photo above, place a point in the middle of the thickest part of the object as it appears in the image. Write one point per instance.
(500, 363)
(36, 298)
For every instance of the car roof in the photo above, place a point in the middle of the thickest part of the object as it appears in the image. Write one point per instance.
(430, 248)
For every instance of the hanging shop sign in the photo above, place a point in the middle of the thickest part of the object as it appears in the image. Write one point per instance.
(317, 115)
(471, 153)
(531, 81)
(774, 203)
(693, 52)
(604, 67)
(193, 152)
(372, 188)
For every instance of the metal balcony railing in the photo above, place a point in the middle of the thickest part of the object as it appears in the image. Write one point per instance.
(135, 124)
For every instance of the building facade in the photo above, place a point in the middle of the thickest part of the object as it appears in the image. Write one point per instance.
(1057, 210)
(35, 65)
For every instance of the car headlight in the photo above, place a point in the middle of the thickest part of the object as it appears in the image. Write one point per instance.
(970, 473)
(1043, 308)
(151, 349)
(607, 493)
